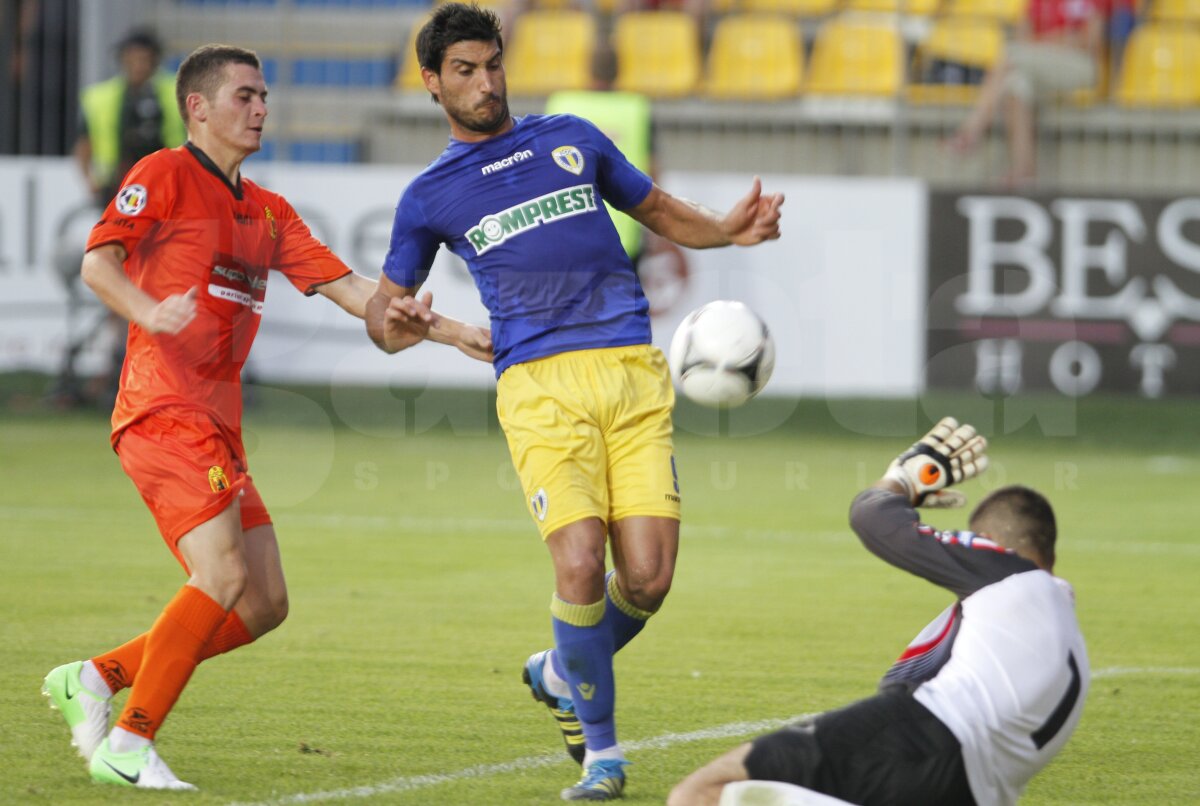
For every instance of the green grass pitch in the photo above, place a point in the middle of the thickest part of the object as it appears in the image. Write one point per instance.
(419, 586)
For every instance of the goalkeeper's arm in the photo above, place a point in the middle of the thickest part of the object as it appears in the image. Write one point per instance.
(888, 525)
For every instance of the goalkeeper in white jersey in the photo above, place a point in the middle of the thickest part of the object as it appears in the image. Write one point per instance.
(981, 699)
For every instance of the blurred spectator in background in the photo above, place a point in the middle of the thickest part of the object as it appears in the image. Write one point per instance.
(127, 117)
(626, 118)
(123, 119)
(1058, 50)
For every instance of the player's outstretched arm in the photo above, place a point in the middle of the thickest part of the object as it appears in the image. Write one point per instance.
(704, 786)
(754, 219)
(397, 319)
(350, 292)
(949, 454)
(104, 272)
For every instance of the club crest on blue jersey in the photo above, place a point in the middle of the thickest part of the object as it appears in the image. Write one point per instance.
(539, 503)
(131, 200)
(569, 158)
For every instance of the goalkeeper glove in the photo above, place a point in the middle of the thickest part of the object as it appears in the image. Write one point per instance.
(948, 454)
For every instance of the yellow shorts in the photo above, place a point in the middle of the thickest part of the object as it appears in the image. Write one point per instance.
(590, 435)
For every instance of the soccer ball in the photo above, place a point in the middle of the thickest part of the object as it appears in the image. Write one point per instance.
(722, 354)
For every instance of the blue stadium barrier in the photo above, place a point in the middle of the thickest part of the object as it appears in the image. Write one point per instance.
(267, 153)
(362, 3)
(315, 72)
(312, 3)
(228, 2)
(323, 151)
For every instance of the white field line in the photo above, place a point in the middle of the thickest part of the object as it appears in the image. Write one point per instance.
(1146, 671)
(410, 783)
(449, 525)
(666, 740)
(520, 525)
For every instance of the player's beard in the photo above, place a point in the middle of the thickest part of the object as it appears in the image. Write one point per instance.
(481, 122)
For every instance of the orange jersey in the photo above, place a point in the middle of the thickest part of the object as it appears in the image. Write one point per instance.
(183, 225)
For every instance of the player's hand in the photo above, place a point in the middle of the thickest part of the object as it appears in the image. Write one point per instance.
(408, 319)
(476, 342)
(755, 218)
(171, 315)
(950, 453)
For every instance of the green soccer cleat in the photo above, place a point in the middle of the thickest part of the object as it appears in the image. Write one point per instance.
(602, 780)
(85, 713)
(561, 707)
(141, 768)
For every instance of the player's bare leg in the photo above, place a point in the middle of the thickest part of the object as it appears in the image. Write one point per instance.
(577, 551)
(83, 694)
(583, 653)
(263, 605)
(214, 552)
(574, 551)
(644, 551)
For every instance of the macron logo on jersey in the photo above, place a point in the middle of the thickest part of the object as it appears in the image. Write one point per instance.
(500, 165)
(497, 228)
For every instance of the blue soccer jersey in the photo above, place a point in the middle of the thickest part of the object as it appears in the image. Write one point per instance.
(525, 211)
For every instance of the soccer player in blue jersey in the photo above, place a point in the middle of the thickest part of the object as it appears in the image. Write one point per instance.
(584, 399)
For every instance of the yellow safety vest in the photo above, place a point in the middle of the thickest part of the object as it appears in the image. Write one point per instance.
(102, 113)
(625, 118)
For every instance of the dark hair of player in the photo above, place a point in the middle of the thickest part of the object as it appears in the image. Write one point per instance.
(451, 23)
(1020, 519)
(204, 70)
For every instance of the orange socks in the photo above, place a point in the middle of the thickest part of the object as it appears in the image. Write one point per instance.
(229, 636)
(120, 666)
(173, 647)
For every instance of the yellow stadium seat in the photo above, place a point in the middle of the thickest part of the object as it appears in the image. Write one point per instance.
(1175, 10)
(968, 41)
(976, 42)
(916, 7)
(798, 8)
(1161, 67)
(856, 57)
(550, 50)
(408, 78)
(658, 53)
(1009, 12)
(755, 57)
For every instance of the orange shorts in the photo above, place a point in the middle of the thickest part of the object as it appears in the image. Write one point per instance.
(188, 471)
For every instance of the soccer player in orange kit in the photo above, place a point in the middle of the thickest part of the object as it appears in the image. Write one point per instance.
(183, 252)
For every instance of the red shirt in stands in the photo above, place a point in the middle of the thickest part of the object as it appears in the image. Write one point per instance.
(183, 225)
(1049, 17)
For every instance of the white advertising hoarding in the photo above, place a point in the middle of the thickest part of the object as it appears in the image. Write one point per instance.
(842, 290)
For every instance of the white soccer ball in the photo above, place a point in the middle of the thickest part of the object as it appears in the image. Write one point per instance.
(722, 354)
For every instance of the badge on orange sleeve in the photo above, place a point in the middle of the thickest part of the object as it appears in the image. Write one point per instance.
(131, 199)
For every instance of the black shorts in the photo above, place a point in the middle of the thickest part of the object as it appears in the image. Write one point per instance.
(887, 749)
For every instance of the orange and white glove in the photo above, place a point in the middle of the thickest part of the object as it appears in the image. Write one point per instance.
(950, 453)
